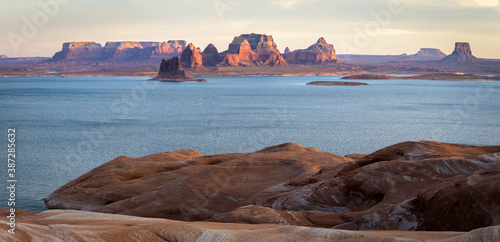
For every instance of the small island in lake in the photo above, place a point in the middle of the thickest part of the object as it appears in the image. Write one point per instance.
(433, 76)
(171, 70)
(336, 83)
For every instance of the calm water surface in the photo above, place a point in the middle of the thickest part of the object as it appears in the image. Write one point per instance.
(67, 126)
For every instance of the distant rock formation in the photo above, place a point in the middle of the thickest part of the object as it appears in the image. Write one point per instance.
(287, 50)
(461, 54)
(253, 50)
(211, 56)
(191, 58)
(124, 50)
(429, 53)
(171, 70)
(319, 53)
(415, 185)
(80, 51)
(3, 56)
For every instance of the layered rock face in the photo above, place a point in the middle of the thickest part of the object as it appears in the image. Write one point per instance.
(211, 56)
(420, 185)
(319, 53)
(191, 58)
(253, 49)
(80, 51)
(124, 50)
(68, 225)
(461, 54)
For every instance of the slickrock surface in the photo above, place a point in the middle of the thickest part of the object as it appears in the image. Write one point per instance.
(60, 225)
(417, 185)
(461, 54)
(319, 53)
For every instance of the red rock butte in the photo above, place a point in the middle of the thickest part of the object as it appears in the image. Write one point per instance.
(461, 54)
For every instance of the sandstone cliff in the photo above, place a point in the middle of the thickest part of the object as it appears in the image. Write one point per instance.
(253, 49)
(124, 50)
(191, 57)
(80, 51)
(319, 53)
(418, 185)
(461, 54)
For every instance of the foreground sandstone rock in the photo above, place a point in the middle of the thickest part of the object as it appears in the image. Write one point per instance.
(419, 185)
(59, 225)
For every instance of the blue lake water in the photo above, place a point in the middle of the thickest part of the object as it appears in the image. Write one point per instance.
(67, 126)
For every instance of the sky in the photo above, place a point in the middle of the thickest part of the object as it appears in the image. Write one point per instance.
(39, 27)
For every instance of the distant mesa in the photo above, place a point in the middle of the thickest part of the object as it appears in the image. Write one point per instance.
(171, 70)
(191, 57)
(253, 50)
(461, 54)
(430, 52)
(211, 56)
(3, 57)
(124, 50)
(319, 53)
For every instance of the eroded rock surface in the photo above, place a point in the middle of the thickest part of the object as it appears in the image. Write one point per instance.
(60, 225)
(418, 185)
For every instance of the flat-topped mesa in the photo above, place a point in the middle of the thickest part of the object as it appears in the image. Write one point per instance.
(80, 51)
(430, 52)
(253, 49)
(461, 54)
(191, 58)
(211, 56)
(319, 53)
(171, 70)
(121, 50)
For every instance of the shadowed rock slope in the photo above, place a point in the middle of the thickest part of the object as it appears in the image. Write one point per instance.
(419, 185)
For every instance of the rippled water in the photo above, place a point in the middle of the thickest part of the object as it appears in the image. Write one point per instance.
(67, 126)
